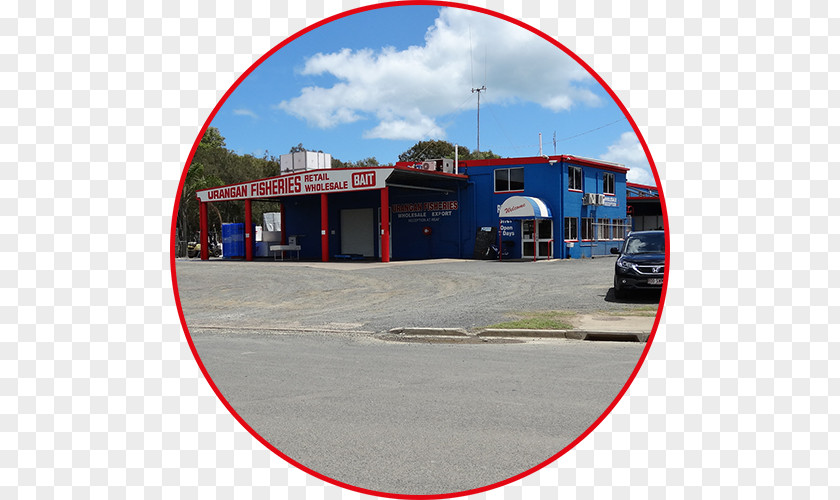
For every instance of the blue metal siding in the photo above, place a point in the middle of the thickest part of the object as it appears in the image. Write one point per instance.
(412, 212)
(303, 219)
(453, 231)
(550, 183)
(573, 207)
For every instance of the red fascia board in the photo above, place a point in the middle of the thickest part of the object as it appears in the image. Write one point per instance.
(402, 167)
(294, 173)
(506, 161)
(530, 160)
(642, 186)
(593, 163)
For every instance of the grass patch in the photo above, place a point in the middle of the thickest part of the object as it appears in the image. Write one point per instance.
(643, 311)
(539, 320)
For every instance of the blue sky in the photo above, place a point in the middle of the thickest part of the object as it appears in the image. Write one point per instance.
(375, 83)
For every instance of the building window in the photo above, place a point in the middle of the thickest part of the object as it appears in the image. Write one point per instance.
(587, 228)
(575, 178)
(571, 229)
(609, 183)
(618, 229)
(510, 179)
(603, 229)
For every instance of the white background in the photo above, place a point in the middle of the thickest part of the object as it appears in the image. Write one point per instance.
(100, 105)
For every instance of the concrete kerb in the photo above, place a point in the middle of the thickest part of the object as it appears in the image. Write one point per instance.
(437, 332)
(525, 333)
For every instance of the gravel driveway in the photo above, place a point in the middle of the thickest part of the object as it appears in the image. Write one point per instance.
(375, 296)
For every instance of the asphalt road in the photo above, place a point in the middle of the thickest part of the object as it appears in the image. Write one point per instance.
(414, 418)
(297, 349)
(376, 297)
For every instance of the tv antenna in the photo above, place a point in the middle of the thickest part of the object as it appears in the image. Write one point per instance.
(478, 92)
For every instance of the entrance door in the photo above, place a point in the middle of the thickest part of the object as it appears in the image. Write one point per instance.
(542, 238)
(357, 232)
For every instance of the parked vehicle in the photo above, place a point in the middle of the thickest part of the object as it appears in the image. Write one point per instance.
(194, 247)
(640, 264)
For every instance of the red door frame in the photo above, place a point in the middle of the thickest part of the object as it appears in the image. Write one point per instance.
(249, 251)
(385, 226)
(325, 228)
(203, 239)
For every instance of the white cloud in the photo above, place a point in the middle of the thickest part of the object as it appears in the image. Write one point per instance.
(416, 127)
(407, 90)
(245, 112)
(628, 151)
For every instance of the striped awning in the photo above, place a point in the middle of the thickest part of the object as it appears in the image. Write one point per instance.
(524, 207)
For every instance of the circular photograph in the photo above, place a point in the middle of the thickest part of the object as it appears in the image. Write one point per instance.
(419, 250)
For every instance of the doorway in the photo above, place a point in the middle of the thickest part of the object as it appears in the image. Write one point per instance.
(539, 236)
(357, 232)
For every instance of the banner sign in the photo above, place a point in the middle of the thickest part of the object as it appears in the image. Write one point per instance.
(523, 206)
(507, 228)
(314, 182)
(424, 211)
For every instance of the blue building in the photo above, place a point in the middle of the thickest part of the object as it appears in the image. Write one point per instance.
(522, 208)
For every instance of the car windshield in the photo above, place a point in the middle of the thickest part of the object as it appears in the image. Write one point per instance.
(645, 243)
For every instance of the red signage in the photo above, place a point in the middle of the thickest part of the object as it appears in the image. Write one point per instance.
(513, 209)
(364, 179)
(311, 182)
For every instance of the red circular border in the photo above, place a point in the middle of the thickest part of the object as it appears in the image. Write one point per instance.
(623, 389)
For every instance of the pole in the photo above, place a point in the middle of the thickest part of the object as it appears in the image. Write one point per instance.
(456, 158)
(325, 227)
(249, 251)
(536, 239)
(500, 239)
(202, 220)
(283, 239)
(385, 226)
(478, 118)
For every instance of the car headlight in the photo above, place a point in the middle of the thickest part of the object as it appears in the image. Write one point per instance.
(623, 264)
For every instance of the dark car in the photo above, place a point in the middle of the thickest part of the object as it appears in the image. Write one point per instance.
(641, 263)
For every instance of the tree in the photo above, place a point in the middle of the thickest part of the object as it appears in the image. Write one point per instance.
(482, 155)
(210, 151)
(212, 138)
(365, 163)
(300, 149)
(425, 150)
(195, 180)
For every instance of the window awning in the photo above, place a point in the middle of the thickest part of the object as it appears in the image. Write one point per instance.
(525, 207)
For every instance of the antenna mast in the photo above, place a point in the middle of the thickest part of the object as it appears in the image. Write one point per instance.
(478, 118)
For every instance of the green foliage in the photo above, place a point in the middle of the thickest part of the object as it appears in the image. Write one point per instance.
(365, 163)
(300, 149)
(482, 155)
(212, 138)
(214, 165)
(432, 149)
(425, 150)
